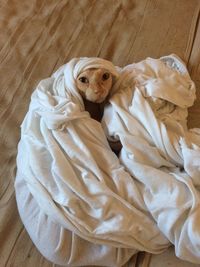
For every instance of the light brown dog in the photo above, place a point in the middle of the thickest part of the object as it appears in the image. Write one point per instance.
(94, 86)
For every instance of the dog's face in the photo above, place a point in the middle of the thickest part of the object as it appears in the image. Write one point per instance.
(94, 84)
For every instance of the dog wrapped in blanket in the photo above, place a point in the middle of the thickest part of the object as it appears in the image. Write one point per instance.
(80, 203)
(95, 85)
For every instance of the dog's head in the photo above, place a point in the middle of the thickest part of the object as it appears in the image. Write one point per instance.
(94, 84)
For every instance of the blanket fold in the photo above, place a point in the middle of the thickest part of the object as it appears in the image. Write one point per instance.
(80, 184)
(157, 148)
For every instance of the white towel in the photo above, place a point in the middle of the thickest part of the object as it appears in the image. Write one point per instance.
(148, 115)
(140, 202)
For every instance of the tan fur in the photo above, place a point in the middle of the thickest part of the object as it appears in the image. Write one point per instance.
(94, 84)
(94, 89)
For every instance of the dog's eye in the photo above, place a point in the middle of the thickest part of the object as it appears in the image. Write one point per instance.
(84, 80)
(106, 76)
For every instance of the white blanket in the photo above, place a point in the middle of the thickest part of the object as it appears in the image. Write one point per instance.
(144, 199)
(148, 114)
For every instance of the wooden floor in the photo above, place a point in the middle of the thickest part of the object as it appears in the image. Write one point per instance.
(38, 36)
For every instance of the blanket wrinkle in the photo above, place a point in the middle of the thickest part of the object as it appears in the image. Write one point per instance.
(55, 110)
(171, 193)
(65, 161)
(98, 211)
(157, 80)
(162, 138)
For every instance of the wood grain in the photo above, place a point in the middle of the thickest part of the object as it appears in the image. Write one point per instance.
(38, 36)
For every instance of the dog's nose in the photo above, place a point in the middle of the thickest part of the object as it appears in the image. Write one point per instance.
(97, 90)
